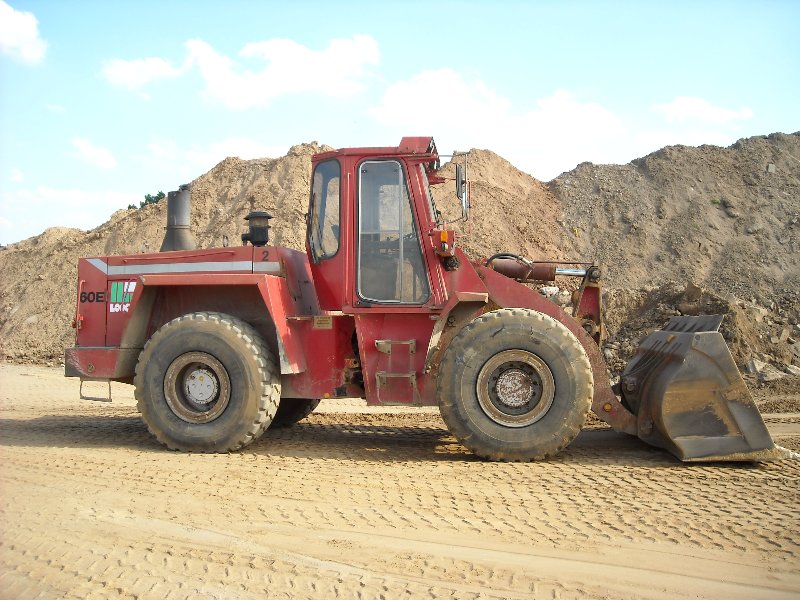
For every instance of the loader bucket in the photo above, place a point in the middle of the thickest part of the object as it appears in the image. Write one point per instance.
(689, 398)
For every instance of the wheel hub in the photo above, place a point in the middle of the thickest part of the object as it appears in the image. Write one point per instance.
(515, 388)
(201, 386)
(197, 387)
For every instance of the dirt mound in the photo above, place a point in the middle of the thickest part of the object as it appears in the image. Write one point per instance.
(749, 330)
(510, 210)
(725, 219)
(37, 289)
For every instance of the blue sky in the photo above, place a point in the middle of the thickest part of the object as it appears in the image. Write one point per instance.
(102, 102)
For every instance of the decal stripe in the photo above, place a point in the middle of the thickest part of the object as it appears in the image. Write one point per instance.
(266, 267)
(197, 267)
(242, 265)
(98, 264)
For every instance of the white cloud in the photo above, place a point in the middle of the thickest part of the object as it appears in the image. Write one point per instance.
(92, 154)
(685, 108)
(19, 35)
(561, 119)
(441, 96)
(134, 74)
(548, 135)
(544, 138)
(262, 72)
(16, 175)
(338, 70)
(55, 108)
(28, 212)
(690, 122)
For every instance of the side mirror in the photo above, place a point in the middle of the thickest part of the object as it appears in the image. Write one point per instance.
(461, 191)
(460, 182)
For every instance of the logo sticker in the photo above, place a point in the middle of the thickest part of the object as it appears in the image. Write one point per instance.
(121, 296)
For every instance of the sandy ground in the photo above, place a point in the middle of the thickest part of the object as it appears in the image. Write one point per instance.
(378, 505)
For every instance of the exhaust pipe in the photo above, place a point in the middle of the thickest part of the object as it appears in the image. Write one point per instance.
(179, 210)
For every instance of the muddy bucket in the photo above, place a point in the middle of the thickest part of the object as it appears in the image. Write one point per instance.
(689, 398)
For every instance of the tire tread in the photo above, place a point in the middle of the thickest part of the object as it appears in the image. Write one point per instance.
(253, 342)
(492, 324)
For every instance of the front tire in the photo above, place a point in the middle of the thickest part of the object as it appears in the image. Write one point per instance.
(515, 385)
(206, 382)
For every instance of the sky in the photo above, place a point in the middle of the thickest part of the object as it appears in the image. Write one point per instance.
(103, 102)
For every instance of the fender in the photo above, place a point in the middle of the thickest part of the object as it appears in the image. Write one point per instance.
(279, 303)
(117, 360)
(507, 293)
(504, 292)
(109, 341)
(274, 291)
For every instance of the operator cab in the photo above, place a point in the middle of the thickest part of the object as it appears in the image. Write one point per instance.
(371, 216)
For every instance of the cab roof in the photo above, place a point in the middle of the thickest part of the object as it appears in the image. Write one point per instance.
(422, 146)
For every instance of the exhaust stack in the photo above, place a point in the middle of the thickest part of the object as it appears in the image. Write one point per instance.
(179, 210)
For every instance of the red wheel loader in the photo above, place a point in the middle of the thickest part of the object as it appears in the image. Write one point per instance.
(223, 343)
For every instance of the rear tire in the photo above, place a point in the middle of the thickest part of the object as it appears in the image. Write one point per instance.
(515, 385)
(293, 410)
(206, 382)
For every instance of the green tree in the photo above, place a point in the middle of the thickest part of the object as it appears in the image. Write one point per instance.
(150, 199)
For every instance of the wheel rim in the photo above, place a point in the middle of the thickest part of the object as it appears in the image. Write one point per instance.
(197, 387)
(515, 388)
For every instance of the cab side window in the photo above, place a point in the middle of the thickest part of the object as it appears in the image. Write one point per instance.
(323, 225)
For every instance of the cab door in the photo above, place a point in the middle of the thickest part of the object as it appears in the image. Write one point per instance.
(328, 235)
(392, 298)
